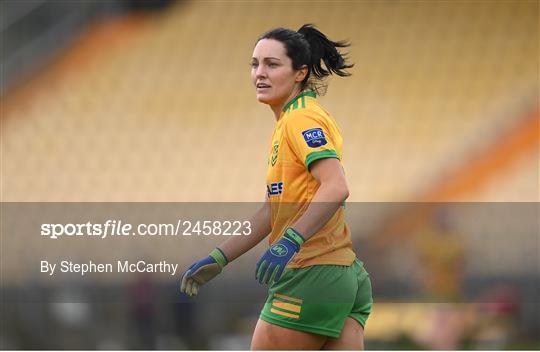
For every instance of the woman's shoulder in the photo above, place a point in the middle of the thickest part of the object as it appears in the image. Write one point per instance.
(311, 111)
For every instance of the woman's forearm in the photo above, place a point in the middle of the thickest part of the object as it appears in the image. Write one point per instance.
(325, 203)
(235, 246)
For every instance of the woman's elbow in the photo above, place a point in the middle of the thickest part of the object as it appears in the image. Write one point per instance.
(344, 192)
(340, 191)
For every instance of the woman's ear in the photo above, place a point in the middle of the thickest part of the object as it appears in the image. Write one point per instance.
(301, 73)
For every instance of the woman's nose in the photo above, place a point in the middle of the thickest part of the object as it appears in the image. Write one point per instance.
(261, 72)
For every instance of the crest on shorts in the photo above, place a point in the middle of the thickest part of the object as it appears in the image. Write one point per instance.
(314, 137)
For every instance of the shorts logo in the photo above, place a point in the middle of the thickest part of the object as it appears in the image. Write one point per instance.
(279, 250)
(314, 137)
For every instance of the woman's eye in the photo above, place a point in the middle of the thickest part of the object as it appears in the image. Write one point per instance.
(273, 64)
(254, 64)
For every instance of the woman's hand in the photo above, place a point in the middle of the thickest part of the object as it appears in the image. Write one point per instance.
(270, 267)
(202, 271)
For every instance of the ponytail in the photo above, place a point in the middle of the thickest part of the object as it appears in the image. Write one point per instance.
(308, 46)
(325, 50)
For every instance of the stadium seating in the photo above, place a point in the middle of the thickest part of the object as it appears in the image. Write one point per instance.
(168, 114)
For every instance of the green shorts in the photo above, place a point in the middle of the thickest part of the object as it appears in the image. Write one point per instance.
(319, 298)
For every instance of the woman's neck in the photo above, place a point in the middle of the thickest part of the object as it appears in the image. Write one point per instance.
(277, 109)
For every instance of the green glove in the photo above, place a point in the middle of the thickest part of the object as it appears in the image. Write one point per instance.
(203, 271)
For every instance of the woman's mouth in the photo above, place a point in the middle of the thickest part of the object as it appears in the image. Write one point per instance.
(261, 86)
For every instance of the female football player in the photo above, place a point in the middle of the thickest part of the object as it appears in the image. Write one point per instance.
(319, 292)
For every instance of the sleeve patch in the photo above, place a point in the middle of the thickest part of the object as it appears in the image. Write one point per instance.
(314, 137)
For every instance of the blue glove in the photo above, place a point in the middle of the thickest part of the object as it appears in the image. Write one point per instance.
(203, 271)
(270, 267)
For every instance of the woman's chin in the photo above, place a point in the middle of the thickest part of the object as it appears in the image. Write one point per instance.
(263, 98)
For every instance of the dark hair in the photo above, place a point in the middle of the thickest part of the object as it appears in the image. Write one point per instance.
(308, 46)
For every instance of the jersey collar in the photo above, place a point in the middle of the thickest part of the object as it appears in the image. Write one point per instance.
(307, 93)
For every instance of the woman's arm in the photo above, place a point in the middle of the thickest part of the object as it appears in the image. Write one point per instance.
(207, 268)
(331, 194)
(235, 246)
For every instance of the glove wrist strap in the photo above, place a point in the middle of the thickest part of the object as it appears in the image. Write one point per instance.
(294, 236)
(219, 257)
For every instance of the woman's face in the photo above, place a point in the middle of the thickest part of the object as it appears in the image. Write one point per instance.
(272, 73)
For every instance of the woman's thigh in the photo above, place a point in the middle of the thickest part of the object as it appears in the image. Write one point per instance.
(351, 338)
(272, 337)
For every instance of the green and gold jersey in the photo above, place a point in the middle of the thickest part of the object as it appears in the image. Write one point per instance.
(304, 133)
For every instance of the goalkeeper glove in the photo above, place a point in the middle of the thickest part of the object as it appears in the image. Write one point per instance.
(203, 271)
(270, 267)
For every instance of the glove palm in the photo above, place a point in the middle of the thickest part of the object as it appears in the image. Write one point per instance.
(202, 271)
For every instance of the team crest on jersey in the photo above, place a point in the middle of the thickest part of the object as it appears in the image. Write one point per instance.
(314, 137)
(275, 150)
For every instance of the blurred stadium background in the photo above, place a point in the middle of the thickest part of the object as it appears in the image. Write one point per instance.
(151, 101)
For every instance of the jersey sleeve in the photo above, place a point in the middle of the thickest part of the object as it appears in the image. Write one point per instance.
(310, 138)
